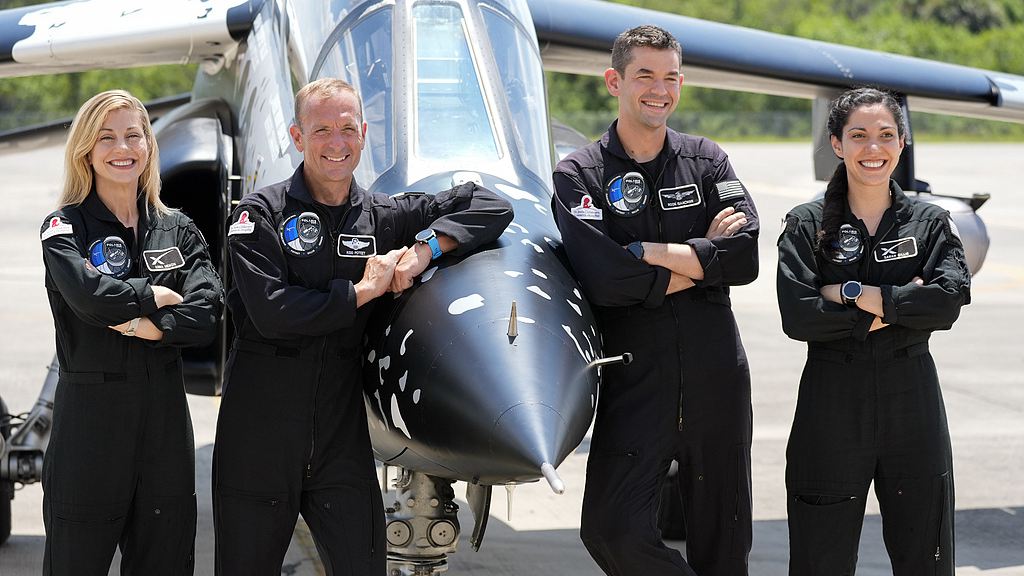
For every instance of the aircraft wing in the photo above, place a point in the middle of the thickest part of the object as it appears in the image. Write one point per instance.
(88, 34)
(576, 36)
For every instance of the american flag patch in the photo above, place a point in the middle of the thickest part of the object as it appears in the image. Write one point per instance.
(730, 190)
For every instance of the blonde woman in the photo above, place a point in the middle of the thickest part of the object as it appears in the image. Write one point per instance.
(130, 283)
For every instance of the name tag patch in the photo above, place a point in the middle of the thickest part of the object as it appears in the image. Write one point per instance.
(586, 209)
(679, 197)
(352, 246)
(163, 260)
(57, 227)
(896, 249)
(243, 225)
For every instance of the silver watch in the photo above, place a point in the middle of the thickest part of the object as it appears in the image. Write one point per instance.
(132, 326)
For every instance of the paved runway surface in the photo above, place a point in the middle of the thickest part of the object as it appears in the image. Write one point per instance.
(980, 362)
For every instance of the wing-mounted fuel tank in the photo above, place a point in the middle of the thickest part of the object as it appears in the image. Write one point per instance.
(196, 161)
(482, 371)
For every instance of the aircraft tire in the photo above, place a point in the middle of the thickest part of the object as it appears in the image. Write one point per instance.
(6, 487)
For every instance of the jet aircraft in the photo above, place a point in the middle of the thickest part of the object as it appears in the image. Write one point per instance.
(488, 370)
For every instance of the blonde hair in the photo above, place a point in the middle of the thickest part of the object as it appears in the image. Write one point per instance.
(323, 88)
(78, 172)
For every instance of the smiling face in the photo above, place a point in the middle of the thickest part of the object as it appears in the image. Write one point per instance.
(870, 147)
(648, 89)
(330, 136)
(121, 152)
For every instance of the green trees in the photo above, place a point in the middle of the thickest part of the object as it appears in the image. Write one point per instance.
(978, 33)
(37, 99)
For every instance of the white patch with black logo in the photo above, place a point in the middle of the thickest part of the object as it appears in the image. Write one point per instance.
(163, 260)
(355, 246)
(679, 197)
(896, 249)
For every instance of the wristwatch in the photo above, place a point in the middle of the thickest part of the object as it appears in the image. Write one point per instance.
(850, 292)
(429, 238)
(636, 249)
(132, 326)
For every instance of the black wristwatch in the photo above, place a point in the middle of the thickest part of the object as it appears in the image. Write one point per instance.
(850, 292)
(636, 249)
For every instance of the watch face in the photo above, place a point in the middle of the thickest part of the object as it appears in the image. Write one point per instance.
(424, 235)
(851, 290)
(636, 249)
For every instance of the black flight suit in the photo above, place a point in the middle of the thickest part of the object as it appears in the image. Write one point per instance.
(292, 434)
(869, 406)
(686, 396)
(120, 465)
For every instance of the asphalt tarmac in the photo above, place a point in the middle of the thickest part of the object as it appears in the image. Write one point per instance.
(980, 363)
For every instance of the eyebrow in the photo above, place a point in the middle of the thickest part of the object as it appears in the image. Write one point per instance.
(885, 127)
(649, 71)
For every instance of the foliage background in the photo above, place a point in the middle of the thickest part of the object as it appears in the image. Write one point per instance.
(979, 33)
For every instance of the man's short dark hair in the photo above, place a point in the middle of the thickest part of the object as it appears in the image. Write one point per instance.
(642, 36)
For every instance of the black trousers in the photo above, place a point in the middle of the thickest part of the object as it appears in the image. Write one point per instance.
(120, 471)
(285, 446)
(636, 436)
(859, 419)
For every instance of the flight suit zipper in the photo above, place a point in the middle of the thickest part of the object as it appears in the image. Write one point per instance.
(671, 303)
(323, 353)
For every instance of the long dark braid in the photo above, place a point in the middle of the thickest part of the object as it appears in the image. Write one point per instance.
(835, 193)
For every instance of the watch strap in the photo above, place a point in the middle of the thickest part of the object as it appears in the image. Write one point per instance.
(133, 325)
(435, 247)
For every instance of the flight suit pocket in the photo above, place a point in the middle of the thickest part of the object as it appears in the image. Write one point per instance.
(246, 517)
(77, 535)
(742, 527)
(89, 459)
(89, 514)
(345, 524)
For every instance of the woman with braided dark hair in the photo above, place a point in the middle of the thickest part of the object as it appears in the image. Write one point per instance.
(865, 275)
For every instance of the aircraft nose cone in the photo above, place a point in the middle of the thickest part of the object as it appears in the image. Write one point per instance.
(529, 435)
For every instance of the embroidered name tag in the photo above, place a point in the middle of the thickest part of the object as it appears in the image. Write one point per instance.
(163, 260)
(351, 246)
(679, 197)
(896, 249)
(57, 227)
(586, 209)
(243, 225)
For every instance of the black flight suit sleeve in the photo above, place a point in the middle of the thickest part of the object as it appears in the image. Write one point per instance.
(96, 298)
(194, 321)
(610, 275)
(728, 260)
(277, 309)
(467, 213)
(806, 314)
(947, 285)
